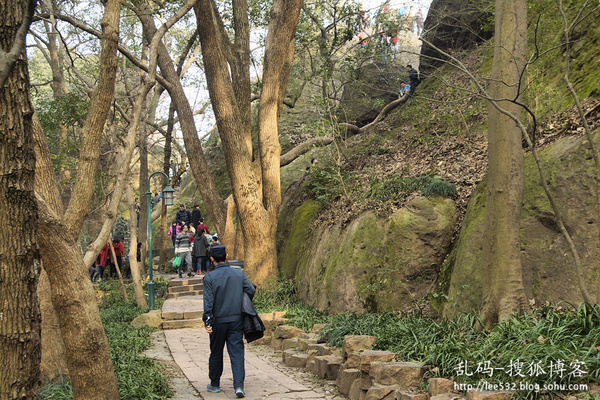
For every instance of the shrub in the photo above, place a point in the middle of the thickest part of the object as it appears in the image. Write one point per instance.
(284, 297)
(400, 187)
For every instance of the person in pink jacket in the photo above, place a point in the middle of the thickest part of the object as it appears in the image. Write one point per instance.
(173, 231)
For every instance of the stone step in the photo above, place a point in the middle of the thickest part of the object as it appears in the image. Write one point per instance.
(182, 294)
(185, 281)
(183, 323)
(174, 315)
(186, 288)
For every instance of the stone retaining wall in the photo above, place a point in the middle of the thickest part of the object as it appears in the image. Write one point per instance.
(360, 372)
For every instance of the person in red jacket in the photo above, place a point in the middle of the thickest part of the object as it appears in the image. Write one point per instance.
(119, 253)
(104, 262)
(202, 225)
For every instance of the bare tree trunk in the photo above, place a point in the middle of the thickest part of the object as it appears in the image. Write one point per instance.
(20, 319)
(166, 169)
(74, 300)
(502, 279)
(59, 87)
(138, 289)
(234, 248)
(256, 183)
(72, 294)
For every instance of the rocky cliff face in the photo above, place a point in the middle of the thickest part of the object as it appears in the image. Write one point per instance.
(548, 270)
(371, 264)
(454, 26)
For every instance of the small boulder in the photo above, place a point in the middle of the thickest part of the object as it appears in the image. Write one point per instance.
(487, 395)
(402, 395)
(321, 348)
(357, 343)
(329, 366)
(287, 332)
(346, 378)
(440, 386)
(294, 359)
(289, 344)
(356, 393)
(381, 393)
(446, 396)
(404, 374)
(303, 343)
(152, 318)
(355, 360)
(276, 343)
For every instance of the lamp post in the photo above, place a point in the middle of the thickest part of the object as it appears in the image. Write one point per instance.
(168, 199)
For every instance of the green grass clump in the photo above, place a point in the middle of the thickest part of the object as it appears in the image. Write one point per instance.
(61, 390)
(548, 337)
(284, 297)
(399, 187)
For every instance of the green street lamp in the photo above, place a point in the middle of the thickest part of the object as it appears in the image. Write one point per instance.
(167, 197)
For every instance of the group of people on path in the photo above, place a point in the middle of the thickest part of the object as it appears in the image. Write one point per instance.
(224, 290)
(106, 264)
(389, 23)
(192, 241)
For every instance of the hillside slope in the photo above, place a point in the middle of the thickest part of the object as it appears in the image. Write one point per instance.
(440, 134)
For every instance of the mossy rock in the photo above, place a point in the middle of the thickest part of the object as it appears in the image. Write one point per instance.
(373, 263)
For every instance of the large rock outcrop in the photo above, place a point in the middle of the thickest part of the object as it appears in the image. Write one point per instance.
(454, 26)
(373, 263)
(548, 268)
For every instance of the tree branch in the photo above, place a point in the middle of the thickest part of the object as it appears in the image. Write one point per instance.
(385, 111)
(303, 148)
(7, 60)
(81, 25)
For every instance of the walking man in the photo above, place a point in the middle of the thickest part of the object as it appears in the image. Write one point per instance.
(183, 216)
(223, 293)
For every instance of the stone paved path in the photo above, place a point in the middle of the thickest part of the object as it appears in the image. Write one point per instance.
(266, 376)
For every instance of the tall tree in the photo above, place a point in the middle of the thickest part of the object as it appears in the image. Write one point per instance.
(73, 297)
(502, 278)
(254, 175)
(20, 349)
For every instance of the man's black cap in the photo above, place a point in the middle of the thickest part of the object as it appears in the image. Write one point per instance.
(218, 251)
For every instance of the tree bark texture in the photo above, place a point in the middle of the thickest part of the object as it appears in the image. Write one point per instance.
(54, 361)
(167, 170)
(503, 291)
(255, 183)
(20, 319)
(143, 185)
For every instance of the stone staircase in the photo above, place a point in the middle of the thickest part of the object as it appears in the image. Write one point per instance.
(185, 287)
(183, 308)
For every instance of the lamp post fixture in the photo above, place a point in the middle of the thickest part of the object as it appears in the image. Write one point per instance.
(167, 196)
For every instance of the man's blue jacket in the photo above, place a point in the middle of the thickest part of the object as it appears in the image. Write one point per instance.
(224, 288)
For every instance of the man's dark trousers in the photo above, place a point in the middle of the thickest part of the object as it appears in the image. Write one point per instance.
(231, 333)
